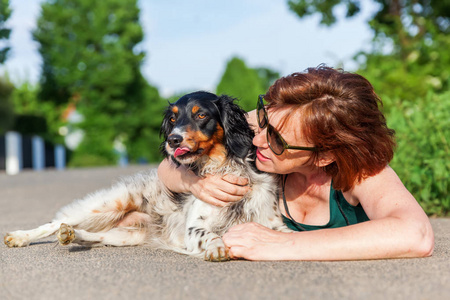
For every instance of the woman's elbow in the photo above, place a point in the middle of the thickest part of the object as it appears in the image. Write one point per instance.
(422, 243)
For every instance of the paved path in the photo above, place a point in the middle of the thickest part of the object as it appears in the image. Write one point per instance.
(47, 271)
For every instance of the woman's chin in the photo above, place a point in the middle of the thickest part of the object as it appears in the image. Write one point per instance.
(263, 166)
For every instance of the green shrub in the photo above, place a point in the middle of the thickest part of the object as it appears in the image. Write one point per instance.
(422, 156)
(30, 124)
(6, 108)
(81, 160)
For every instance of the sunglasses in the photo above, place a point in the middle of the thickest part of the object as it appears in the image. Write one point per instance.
(276, 142)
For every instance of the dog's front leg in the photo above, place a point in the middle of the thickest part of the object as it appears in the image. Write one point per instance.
(198, 236)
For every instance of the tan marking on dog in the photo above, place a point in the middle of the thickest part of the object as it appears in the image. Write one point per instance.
(193, 138)
(119, 205)
(131, 206)
(175, 109)
(218, 153)
(218, 150)
(95, 211)
(212, 146)
(195, 109)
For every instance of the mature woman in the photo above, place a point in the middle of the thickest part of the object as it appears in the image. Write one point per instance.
(323, 133)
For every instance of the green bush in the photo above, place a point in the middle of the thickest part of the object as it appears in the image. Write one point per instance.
(6, 108)
(30, 124)
(422, 157)
(81, 160)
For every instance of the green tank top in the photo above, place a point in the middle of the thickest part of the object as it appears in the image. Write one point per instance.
(342, 214)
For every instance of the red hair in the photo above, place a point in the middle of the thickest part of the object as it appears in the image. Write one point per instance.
(340, 114)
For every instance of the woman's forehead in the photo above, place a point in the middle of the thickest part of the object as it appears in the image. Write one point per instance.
(286, 118)
(285, 115)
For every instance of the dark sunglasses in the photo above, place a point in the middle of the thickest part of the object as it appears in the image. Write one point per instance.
(276, 142)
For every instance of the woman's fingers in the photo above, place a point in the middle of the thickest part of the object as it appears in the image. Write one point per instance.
(219, 190)
(235, 180)
(223, 190)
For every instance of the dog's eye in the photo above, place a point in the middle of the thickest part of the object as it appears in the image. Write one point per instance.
(172, 119)
(201, 116)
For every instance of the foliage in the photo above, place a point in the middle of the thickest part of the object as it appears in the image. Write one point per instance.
(5, 13)
(421, 160)
(30, 111)
(409, 52)
(241, 82)
(325, 9)
(143, 143)
(6, 109)
(91, 60)
(267, 76)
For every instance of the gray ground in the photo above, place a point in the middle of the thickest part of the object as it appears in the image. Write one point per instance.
(48, 271)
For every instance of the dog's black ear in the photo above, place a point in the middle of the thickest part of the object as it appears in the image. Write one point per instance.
(238, 134)
(165, 130)
(166, 127)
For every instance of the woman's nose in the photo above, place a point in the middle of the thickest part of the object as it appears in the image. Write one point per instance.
(260, 139)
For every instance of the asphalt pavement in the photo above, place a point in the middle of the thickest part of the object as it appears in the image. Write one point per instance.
(45, 270)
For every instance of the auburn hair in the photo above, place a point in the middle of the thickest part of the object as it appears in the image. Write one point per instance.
(340, 114)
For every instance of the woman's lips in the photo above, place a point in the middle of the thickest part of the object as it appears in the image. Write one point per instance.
(260, 156)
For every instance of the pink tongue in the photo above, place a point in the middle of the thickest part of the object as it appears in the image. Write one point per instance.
(181, 151)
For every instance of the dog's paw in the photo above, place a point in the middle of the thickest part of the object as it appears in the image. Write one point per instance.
(16, 239)
(65, 234)
(216, 251)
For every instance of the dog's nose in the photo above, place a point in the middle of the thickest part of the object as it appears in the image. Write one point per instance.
(174, 140)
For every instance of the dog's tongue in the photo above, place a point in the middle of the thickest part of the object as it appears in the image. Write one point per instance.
(181, 151)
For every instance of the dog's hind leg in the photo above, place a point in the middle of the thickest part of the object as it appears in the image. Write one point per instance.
(22, 238)
(100, 211)
(119, 236)
(97, 212)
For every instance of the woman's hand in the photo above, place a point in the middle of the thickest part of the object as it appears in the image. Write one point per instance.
(253, 241)
(218, 190)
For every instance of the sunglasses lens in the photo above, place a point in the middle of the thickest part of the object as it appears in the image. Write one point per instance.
(274, 140)
(261, 114)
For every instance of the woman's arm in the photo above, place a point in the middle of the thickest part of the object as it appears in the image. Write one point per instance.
(213, 189)
(398, 228)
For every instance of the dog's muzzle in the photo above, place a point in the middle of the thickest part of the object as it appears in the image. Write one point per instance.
(174, 140)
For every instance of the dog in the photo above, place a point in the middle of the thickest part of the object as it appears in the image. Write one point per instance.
(204, 132)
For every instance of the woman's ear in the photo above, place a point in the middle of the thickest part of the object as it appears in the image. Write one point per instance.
(325, 159)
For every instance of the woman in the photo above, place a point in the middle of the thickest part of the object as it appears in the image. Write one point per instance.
(323, 132)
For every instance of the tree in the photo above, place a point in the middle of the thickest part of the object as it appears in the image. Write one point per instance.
(241, 82)
(415, 31)
(5, 13)
(6, 111)
(91, 60)
(267, 76)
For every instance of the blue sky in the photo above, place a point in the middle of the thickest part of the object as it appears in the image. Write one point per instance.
(189, 42)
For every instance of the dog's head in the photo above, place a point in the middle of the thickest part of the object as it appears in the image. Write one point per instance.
(203, 125)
